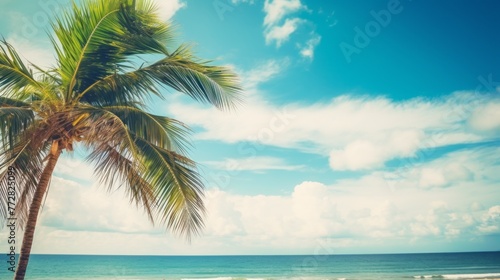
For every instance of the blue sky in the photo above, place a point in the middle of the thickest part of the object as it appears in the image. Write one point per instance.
(367, 127)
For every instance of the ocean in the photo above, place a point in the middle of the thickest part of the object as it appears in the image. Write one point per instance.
(484, 265)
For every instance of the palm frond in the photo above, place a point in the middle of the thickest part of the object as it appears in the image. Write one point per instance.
(75, 29)
(119, 89)
(95, 95)
(143, 31)
(116, 170)
(181, 71)
(14, 74)
(166, 182)
(15, 117)
(160, 131)
(114, 154)
(96, 40)
(49, 77)
(103, 126)
(177, 187)
(26, 157)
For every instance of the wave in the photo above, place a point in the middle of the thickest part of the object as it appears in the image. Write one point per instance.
(443, 276)
(270, 278)
(225, 278)
(460, 276)
(214, 278)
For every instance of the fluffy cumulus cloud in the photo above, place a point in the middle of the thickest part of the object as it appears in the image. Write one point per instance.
(367, 208)
(354, 132)
(487, 117)
(344, 216)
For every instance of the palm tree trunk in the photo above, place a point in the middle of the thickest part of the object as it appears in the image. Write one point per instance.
(29, 231)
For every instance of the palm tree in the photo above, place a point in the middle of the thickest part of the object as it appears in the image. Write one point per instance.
(96, 96)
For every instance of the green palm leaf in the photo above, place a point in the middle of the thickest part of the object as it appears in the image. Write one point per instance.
(98, 41)
(26, 157)
(96, 95)
(181, 71)
(177, 187)
(14, 75)
(160, 131)
(116, 170)
(120, 89)
(15, 117)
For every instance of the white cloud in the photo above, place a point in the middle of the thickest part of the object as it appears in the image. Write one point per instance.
(167, 9)
(264, 72)
(72, 167)
(277, 9)
(356, 155)
(359, 209)
(253, 164)
(363, 154)
(75, 207)
(359, 212)
(491, 221)
(430, 177)
(278, 27)
(355, 132)
(486, 117)
(307, 51)
(33, 51)
(275, 30)
(461, 168)
(280, 34)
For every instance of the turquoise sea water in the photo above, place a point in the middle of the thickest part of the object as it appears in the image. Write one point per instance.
(363, 267)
